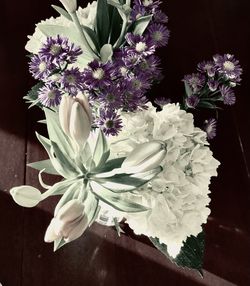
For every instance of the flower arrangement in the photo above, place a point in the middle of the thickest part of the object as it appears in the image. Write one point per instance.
(120, 156)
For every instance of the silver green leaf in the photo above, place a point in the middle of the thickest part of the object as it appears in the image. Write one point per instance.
(45, 165)
(141, 24)
(116, 201)
(62, 12)
(101, 151)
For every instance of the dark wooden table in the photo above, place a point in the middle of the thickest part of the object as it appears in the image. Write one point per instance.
(199, 29)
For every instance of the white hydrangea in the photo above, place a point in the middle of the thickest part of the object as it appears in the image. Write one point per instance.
(178, 197)
(63, 27)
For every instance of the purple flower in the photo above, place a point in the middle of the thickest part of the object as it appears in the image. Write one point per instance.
(228, 66)
(158, 34)
(98, 74)
(138, 83)
(210, 127)
(160, 17)
(137, 12)
(140, 45)
(196, 81)
(150, 67)
(228, 95)
(110, 122)
(72, 81)
(131, 60)
(58, 50)
(50, 96)
(40, 68)
(192, 101)
(110, 97)
(161, 101)
(213, 84)
(148, 4)
(207, 67)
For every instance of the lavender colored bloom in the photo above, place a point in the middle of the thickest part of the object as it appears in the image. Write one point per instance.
(131, 60)
(213, 84)
(50, 95)
(140, 45)
(161, 101)
(158, 34)
(72, 81)
(160, 17)
(110, 122)
(210, 127)
(196, 81)
(192, 101)
(139, 82)
(137, 12)
(40, 68)
(228, 95)
(149, 67)
(58, 50)
(149, 4)
(227, 65)
(207, 67)
(110, 97)
(98, 74)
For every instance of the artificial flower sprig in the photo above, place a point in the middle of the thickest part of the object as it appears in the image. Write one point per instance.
(89, 175)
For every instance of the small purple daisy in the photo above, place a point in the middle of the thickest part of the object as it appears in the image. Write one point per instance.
(140, 45)
(210, 127)
(40, 68)
(72, 81)
(150, 67)
(110, 122)
(160, 17)
(228, 95)
(158, 34)
(110, 97)
(213, 85)
(50, 96)
(196, 81)
(161, 101)
(98, 74)
(227, 65)
(137, 12)
(207, 67)
(192, 101)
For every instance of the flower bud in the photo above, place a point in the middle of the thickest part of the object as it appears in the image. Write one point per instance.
(75, 118)
(69, 223)
(145, 157)
(69, 5)
(26, 196)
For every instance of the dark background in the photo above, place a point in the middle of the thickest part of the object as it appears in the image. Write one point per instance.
(199, 29)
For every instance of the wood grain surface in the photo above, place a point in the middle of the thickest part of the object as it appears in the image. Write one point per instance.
(199, 29)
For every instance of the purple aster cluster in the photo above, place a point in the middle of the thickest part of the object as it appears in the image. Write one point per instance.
(213, 82)
(52, 66)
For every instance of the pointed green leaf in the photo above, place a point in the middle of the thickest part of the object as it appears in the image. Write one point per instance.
(45, 165)
(117, 202)
(91, 38)
(32, 96)
(62, 12)
(109, 165)
(191, 254)
(58, 243)
(141, 24)
(102, 22)
(101, 150)
(115, 26)
(188, 89)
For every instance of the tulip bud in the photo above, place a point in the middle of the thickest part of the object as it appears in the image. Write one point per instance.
(145, 157)
(69, 223)
(26, 196)
(75, 117)
(69, 5)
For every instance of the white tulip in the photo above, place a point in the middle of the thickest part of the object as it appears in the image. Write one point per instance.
(75, 118)
(69, 223)
(26, 196)
(145, 157)
(69, 5)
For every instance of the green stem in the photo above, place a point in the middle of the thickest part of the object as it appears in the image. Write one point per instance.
(82, 35)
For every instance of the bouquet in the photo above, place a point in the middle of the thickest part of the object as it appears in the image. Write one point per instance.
(120, 156)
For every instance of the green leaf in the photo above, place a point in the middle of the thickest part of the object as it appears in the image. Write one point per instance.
(102, 22)
(191, 254)
(120, 183)
(188, 89)
(115, 25)
(91, 38)
(32, 96)
(58, 243)
(68, 167)
(101, 151)
(106, 53)
(117, 202)
(109, 165)
(92, 207)
(141, 24)
(56, 133)
(206, 104)
(62, 12)
(45, 165)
